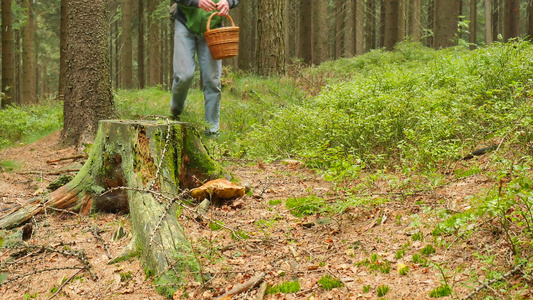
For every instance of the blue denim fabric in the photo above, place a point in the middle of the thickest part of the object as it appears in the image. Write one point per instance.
(186, 44)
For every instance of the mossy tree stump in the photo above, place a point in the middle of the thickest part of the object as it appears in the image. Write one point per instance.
(130, 164)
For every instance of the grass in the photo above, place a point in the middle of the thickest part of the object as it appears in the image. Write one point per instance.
(287, 287)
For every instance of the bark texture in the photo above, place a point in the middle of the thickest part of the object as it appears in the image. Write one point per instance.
(445, 26)
(8, 58)
(270, 38)
(88, 96)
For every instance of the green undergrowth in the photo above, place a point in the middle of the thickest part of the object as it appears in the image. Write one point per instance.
(29, 123)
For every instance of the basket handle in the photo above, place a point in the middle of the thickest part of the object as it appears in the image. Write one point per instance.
(208, 27)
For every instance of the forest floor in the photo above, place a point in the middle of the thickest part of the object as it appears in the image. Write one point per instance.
(364, 247)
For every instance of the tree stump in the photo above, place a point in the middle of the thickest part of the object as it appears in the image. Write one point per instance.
(137, 167)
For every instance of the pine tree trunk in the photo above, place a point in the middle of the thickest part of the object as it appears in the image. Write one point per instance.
(415, 21)
(473, 24)
(88, 97)
(343, 27)
(391, 23)
(370, 26)
(445, 27)
(359, 13)
(530, 19)
(29, 93)
(320, 31)
(8, 66)
(126, 53)
(140, 46)
(488, 22)
(270, 38)
(154, 55)
(63, 32)
(511, 19)
(120, 175)
(246, 24)
(305, 46)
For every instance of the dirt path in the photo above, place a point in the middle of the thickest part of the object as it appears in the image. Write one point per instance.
(364, 247)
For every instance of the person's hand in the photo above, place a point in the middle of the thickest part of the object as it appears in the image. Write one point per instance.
(207, 5)
(223, 7)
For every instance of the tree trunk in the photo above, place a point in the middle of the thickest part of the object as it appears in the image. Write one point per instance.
(415, 20)
(126, 53)
(127, 160)
(512, 19)
(370, 26)
(391, 23)
(88, 97)
(63, 31)
(359, 13)
(271, 58)
(320, 31)
(29, 93)
(246, 23)
(140, 46)
(530, 20)
(496, 20)
(305, 46)
(343, 26)
(8, 63)
(445, 27)
(488, 22)
(473, 24)
(154, 57)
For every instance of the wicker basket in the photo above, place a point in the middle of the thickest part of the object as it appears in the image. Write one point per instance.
(223, 42)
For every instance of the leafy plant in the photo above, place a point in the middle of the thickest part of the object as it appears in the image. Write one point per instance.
(441, 291)
(428, 250)
(305, 205)
(382, 290)
(287, 287)
(366, 288)
(215, 225)
(327, 282)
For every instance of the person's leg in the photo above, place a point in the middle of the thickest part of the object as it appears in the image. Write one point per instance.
(184, 65)
(211, 73)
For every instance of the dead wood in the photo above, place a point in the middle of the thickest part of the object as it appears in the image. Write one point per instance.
(248, 284)
(66, 158)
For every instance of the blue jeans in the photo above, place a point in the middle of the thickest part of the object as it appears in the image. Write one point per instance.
(186, 44)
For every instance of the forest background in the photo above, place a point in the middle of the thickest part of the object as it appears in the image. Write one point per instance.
(140, 36)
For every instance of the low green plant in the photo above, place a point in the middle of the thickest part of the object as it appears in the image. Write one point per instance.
(366, 288)
(327, 282)
(418, 236)
(287, 287)
(274, 202)
(428, 250)
(239, 235)
(382, 290)
(125, 276)
(404, 270)
(305, 205)
(418, 259)
(216, 225)
(441, 291)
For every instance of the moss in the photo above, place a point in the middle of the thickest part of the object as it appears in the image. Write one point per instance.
(167, 284)
(199, 159)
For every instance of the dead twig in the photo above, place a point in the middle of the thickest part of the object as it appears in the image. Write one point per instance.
(66, 158)
(487, 284)
(249, 284)
(64, 283)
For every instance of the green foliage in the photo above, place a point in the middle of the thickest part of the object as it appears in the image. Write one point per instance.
(366, 288)
(403, 270)
(305, 205)
(287, 287)
(216, 225)
(239, 235)
(428, 250)
(125, 276)
(382, 290)
(30, 123)
(441, 291)
(9, 165)
(275, 202)
(327, 282)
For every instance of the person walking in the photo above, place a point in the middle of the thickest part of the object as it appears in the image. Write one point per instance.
(190, 24)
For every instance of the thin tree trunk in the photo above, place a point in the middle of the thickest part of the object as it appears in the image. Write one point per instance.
(8, 66)
(488, 22)
(530, 19)
(126, 53)
(391, 23)
(415, 21)
(29, 93)
(154, 56)
(140, 46)
(63, 32)
(305, 45)
(512, 19)
(359, 12)
(370, 26)
(496, 20)
(320, 32)
(473, 24)
(342, 26)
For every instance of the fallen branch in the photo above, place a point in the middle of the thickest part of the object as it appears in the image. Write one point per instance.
(66, 158)
(262, 291)
(487, 284)
(64, 283)
(250, 283)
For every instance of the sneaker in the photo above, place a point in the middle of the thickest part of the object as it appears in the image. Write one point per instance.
(210, 133)
(175, 117)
